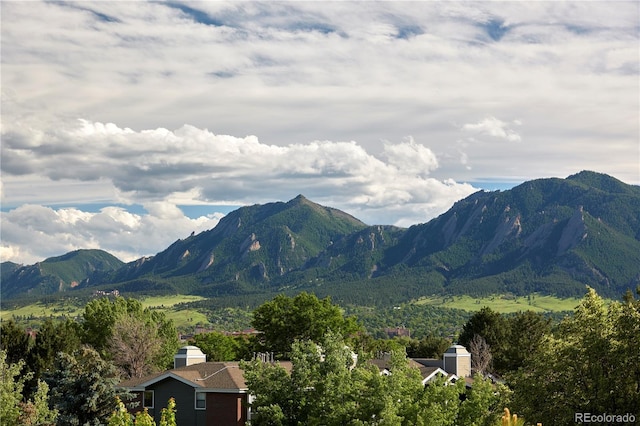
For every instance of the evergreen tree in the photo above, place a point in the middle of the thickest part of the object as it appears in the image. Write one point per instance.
(15, 341)
(83, 387)
(51, 339)
(493, 327)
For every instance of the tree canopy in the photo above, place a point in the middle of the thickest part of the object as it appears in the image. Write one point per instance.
(103, 316)
(328, 386)
(589, 364)
(284, 320)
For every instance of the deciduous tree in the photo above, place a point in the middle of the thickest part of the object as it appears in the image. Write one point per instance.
(101, 315)
(590, 364)
(217, 346)
(283, 320)
(135, 345)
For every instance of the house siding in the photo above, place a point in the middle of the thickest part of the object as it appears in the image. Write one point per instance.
(226, 409)
(184, 395)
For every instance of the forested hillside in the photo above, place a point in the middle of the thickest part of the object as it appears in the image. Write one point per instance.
(551, 236)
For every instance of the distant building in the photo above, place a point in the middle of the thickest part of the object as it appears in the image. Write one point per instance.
(397, 331)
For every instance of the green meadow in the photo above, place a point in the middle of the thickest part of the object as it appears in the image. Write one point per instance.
(503, 303)
(34, 313)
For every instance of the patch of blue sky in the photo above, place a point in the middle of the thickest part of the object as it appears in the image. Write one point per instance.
(90, 207)
(197, 15)
(408, 31)
(102, 17)
(309, 26)
(496, 29)
(494, 185)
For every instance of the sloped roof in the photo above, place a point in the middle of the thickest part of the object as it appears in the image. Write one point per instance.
(207, 376)
(428, 370)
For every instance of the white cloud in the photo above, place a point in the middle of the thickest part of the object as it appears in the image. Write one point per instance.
(322, 87)
(491, 126)
(31, 233)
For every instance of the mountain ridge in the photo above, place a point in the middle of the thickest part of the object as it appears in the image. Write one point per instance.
(545, 235)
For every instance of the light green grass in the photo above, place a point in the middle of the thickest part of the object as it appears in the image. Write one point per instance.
(503, 303)
(168, 301)
(39, 311)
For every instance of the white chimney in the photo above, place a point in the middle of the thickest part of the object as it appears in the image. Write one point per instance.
(188, 355)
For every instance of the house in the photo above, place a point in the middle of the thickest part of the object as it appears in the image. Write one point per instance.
(206, 393)
(455, 365)
(428, 372)
(215, 393)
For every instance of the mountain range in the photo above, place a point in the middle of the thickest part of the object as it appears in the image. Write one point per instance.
(551, 236)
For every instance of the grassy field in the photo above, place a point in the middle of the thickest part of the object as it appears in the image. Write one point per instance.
(38, 311)
(503, 303)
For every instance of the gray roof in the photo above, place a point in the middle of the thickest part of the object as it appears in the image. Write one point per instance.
(457, 349)
(223, 376)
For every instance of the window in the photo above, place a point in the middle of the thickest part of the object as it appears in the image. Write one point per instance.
(201, 400)
(148, 399)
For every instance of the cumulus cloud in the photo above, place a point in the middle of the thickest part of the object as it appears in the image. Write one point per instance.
(487, 91)
(31, 233)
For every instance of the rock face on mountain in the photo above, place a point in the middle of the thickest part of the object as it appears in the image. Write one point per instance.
(552, 235)
(546, 235)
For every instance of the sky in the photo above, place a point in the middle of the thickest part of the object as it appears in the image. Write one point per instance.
(127, 125)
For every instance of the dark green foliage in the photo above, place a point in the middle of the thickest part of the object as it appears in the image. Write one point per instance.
(15, 341)
(52, 339)
(511, 338)
(493, 327)
(82, 388)
(428, 347)
(526, 331)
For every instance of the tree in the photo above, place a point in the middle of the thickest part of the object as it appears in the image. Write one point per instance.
(589, 364)
(217, 346)
(480, 354)
(13, 411)
(100, 317)
(37, 412)
(525, 333)
(121, 417)
(326, 387)
(492, 327)
(430, 346)
(51, 339)
(168, 414)
(135, 345)
(15, 341)
(11, 386)
(283, 320)
(83, 387)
